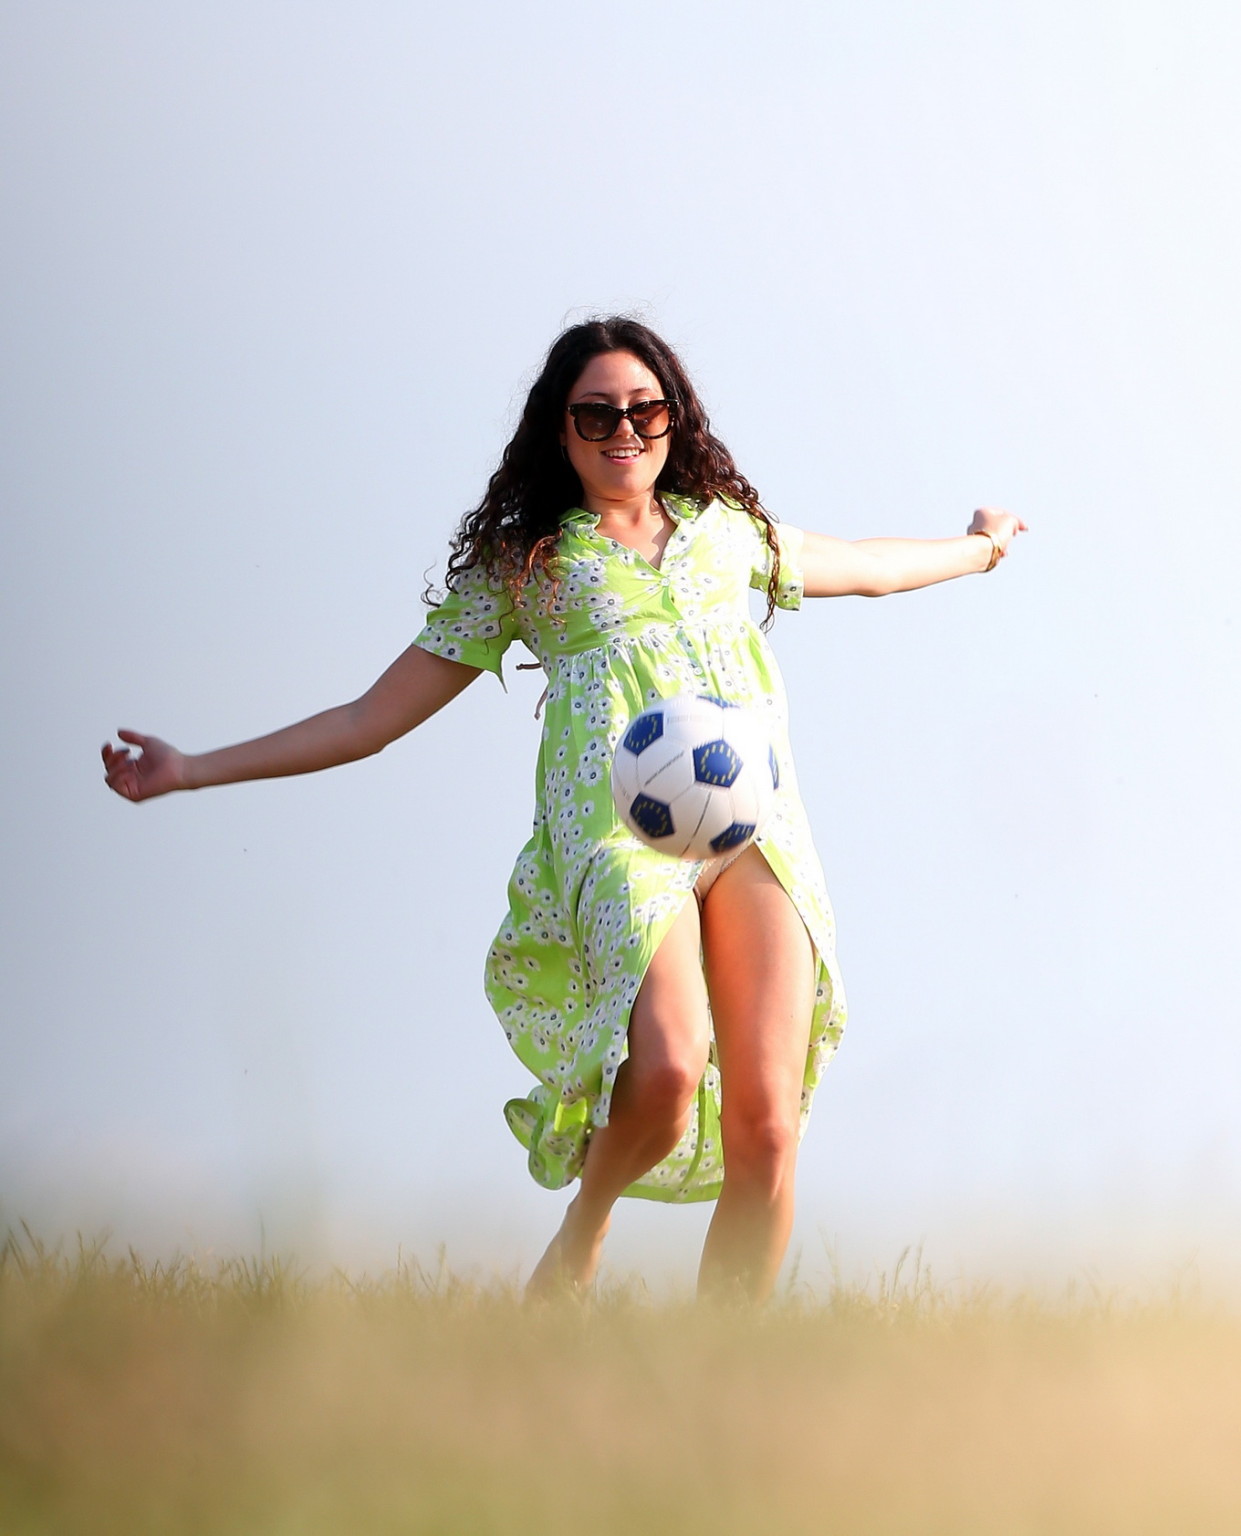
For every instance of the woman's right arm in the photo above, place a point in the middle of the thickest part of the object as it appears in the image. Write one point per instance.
(414, 687)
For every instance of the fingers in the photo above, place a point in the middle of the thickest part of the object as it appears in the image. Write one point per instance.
(108, 751)
(121, 767)
(123, 784)
(111, 754)
(118, 765)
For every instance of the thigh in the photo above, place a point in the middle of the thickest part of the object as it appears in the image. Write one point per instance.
(761, 973)
(670, 1024)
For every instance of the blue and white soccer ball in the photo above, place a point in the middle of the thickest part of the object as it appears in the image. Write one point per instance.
(694, 776)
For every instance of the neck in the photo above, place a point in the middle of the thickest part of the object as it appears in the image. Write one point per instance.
(632, 511)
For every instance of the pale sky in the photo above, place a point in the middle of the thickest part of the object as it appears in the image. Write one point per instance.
(274, 280)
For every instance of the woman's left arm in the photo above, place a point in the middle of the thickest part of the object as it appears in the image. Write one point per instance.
(875, 567)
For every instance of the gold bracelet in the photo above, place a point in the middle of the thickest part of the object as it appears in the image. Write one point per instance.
(996, 551)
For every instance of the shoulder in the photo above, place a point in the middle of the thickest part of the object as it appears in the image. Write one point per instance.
(728, 509)
(714, 513)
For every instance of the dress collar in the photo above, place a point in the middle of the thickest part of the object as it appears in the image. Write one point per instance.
(679, 508)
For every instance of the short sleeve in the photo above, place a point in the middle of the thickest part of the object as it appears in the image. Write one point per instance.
(792, 582)
(474, 624)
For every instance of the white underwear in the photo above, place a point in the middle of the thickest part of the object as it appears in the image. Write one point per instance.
(711, 872)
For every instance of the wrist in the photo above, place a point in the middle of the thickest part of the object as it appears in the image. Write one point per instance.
(192, 774)
(992, 549)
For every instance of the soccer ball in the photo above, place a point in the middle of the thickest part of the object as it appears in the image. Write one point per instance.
(694, 776)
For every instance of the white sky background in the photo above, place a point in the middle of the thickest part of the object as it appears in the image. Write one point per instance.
(275, 278)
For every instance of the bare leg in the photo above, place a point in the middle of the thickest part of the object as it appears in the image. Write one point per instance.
(655, 1088)
(760, 967)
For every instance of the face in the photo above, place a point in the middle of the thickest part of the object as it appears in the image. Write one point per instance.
(624, 467)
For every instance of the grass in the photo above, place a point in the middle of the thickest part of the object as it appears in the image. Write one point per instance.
(244, 1397)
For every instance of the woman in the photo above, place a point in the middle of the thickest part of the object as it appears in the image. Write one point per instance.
(677, 1015)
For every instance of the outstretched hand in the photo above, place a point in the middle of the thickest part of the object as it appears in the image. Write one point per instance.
(157, 769)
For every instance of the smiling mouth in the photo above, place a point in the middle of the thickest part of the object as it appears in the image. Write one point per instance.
(621, 453)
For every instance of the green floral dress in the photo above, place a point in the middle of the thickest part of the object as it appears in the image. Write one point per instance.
(588, 903)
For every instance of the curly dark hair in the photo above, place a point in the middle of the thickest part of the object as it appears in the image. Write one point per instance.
(513, 532)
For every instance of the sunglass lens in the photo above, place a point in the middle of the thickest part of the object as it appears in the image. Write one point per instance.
(652, 420)
(596, 422)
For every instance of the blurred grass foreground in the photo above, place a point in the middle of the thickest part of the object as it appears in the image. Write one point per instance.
(244, 1398)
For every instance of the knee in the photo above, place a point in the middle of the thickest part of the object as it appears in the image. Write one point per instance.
(664, 1089)
(760, 1147)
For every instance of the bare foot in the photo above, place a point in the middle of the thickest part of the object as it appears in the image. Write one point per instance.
(571, 1261)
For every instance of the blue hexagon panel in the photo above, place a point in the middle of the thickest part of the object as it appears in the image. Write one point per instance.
(648, 727)
(732, 837)
(653, 816)
(715, 762)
